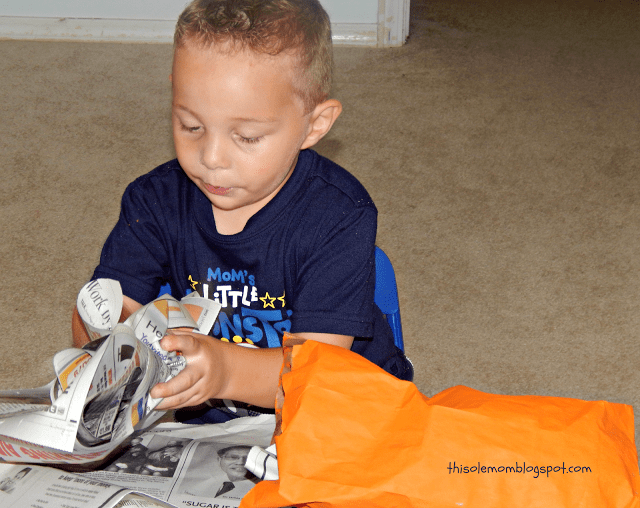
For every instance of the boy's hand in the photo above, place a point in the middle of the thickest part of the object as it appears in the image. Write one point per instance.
(202, 379)
(221, 370)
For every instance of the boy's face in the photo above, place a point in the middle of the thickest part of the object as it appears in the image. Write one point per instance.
(238, 125)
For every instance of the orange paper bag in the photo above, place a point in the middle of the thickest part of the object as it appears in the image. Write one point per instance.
(351, 435)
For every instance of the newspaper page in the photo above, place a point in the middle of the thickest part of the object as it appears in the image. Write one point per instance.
(170, 464)
(191, 465)
(101, 393)
(32, 486)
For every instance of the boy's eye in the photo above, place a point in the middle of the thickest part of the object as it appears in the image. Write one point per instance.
(188, 128)
(250, 141)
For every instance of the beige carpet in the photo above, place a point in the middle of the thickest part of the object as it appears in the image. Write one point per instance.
(501, 144)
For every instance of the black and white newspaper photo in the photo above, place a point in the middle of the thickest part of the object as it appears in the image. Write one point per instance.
(219, 470)
(196, 464)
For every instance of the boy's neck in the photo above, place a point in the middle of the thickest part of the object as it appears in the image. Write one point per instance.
(230, 222)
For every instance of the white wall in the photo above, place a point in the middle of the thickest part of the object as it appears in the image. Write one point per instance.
(351, 11)
(340, 11)
(353, 21)
(109, 9)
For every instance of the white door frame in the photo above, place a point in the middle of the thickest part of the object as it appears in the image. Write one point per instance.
(391, 30)
(393, 22)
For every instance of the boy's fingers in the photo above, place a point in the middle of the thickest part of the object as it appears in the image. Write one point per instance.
(187, 388)
(178, 401)
(177, 342)
(170, 399)
(176, 393)
(181, 383)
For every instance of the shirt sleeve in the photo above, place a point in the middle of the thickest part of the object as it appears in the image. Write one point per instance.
(135, 253)
(336, 280)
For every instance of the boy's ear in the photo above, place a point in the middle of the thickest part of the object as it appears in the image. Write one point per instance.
(322, 119)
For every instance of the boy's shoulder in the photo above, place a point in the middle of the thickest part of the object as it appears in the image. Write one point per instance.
(332, 180)
(167, 184)
(168, 174)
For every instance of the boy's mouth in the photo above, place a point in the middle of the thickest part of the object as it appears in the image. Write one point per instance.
(219, 191)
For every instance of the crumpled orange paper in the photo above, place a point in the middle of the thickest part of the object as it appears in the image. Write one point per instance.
(351, 435)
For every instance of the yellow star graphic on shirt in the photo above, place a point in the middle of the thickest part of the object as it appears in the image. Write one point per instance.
(281, 298)
(193, 283)
(269, 303)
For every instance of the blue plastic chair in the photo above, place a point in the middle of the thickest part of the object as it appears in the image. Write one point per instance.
(386, 295)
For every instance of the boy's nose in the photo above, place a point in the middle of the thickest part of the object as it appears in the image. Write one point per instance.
(214, 152)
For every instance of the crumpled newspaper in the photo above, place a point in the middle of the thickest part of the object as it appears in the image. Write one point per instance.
(263, 462)
(101, 391)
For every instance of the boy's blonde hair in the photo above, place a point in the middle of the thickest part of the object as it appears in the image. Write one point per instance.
(298, 27)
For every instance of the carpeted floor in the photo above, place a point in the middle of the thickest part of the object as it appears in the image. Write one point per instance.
(501, 145)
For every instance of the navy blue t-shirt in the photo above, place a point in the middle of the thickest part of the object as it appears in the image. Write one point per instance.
(303, 263)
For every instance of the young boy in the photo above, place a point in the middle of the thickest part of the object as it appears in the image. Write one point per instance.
(247, 214)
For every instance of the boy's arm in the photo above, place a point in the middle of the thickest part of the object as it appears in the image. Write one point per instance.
(79, 333)
(215, 369)
(220, 370)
